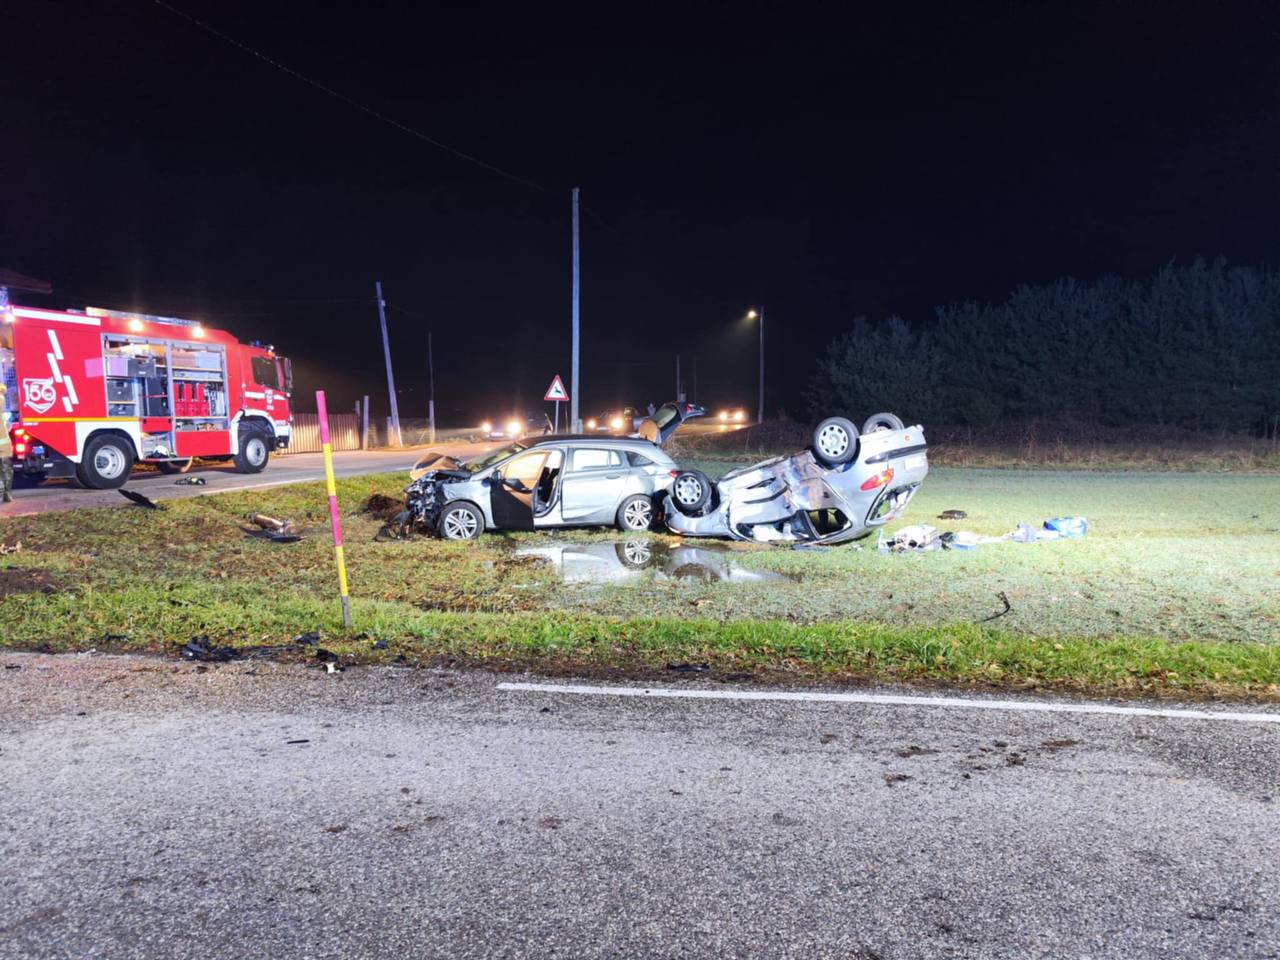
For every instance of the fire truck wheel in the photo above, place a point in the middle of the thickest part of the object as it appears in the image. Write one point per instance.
(106, 463)
(254, 450)
(175, 466)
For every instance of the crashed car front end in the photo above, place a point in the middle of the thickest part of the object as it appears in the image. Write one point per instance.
(802, 499)
(425, 497)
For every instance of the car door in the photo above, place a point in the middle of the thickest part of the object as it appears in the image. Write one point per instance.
(593, 484)
(664, 421)
(511, 490)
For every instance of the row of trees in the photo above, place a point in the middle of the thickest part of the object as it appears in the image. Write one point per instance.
(1196, 346)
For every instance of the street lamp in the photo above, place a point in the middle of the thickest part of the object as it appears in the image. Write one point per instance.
(759, 315)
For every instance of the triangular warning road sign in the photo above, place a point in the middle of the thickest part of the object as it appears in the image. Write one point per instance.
(556, 391)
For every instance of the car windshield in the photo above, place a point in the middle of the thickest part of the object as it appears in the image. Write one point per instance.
(489, 459)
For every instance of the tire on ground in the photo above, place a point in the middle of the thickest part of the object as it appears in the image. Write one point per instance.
(635, 513)
(835, 441)
(255, 448)
(690, 492)
(106, 462)
(460, 520)
(882, 421)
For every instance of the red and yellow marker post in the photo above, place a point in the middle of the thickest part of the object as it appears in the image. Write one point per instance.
(333, 508)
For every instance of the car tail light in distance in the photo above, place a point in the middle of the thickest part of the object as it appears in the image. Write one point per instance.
(877, 479)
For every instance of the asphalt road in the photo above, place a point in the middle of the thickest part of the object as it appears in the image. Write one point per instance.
(56, 495)
(160, 809)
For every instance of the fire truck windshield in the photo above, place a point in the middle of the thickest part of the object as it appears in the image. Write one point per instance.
(264, 373)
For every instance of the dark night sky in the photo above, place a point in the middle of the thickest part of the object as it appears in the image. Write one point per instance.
(828, 161)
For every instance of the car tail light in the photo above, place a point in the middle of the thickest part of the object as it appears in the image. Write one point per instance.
(877, 479)
(674, 473)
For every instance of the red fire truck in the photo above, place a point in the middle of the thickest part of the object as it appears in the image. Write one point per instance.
(92, 392)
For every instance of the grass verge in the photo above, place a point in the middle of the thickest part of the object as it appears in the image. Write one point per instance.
(1151, 602)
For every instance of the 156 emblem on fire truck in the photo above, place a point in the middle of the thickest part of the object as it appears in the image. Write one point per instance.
(40, 394)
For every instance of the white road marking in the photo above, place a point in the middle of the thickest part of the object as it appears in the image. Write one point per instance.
(887, 699)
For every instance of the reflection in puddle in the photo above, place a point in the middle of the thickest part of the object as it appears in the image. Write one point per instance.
(609, 561)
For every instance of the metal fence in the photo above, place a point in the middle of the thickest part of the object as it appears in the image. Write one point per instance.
(344, 432)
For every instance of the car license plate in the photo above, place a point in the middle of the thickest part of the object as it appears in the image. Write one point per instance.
(915, 462)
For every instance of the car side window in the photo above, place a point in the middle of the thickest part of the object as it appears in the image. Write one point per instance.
(586, 458)
(525, 470)
(638, 459)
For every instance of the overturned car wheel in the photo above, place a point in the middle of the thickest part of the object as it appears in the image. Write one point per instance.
(882, 421)
(691, 492)
(835, 441)
(460, 521)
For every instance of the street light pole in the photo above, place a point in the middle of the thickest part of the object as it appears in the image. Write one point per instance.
(760, 414)
(759, 315)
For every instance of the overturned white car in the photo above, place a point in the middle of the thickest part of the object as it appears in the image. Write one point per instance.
(844, 486)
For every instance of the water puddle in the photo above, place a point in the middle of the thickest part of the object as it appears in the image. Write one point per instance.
(613, 561)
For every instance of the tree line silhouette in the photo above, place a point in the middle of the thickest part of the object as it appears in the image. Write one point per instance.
(1194, 346)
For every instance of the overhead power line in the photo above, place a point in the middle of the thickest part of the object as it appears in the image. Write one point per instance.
(403, 128)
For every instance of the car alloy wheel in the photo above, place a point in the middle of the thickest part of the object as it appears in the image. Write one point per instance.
(637, 515)
(459, 525)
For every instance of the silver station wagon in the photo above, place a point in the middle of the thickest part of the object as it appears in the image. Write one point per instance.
(546, 482)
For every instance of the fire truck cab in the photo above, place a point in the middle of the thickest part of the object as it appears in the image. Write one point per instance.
(92, 392)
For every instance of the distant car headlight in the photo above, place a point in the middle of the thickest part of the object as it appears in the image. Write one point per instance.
(591, 424)
(616, 423)
(724, 414)
(513, 428)
(486, 427)
(740, 416)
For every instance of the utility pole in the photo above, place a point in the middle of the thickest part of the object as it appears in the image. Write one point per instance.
(431, 397)
(679, 398)
(573, 378)
(391, 380)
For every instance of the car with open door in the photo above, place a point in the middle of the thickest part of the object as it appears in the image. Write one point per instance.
(546, 482)
(846, 485)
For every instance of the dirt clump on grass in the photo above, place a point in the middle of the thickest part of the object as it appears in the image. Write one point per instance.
(381, 507)
(20, 580)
